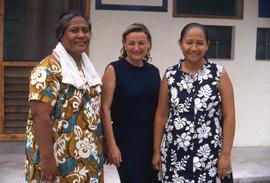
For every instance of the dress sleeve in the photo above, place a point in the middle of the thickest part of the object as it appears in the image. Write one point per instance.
(44, 84)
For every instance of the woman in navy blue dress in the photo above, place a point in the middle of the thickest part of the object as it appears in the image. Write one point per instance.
(195, 118)
(129, 99)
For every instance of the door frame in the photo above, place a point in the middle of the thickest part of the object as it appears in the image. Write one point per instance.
(4, 136)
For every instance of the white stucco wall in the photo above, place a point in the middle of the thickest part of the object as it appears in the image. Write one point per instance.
(251, 78)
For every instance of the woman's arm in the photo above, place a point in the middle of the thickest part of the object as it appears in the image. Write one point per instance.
(108, 87)
(41, 114)
(161, 117)
(228, 111)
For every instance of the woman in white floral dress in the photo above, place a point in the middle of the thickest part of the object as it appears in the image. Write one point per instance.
(195, 117)
(64, 141)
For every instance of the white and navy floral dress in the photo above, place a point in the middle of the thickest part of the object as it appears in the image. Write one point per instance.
(193, 133)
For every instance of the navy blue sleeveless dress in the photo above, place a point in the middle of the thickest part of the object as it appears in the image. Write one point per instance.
(133, 109)
(192, 139)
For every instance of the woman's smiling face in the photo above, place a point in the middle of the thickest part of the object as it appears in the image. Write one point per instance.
(76, 37)
(137, 46)
(194, 45)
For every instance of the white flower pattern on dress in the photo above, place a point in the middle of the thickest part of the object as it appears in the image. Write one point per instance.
(38, 76)
(85, 145)
(59, 147)
(79, 175)
(192, 137)
(204, 131)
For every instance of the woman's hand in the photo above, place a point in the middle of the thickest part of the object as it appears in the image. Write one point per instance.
(49, 169)
(114, 155)
(224, 165)
(156, 161)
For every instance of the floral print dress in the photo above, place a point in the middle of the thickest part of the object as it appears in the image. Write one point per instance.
(193, 132)
(77, 129)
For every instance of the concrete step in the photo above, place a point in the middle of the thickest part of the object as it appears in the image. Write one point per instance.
(250, 164)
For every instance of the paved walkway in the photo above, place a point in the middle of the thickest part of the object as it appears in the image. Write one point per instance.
(250, 164)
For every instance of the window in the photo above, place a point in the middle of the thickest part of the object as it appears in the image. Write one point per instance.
(220, 42)
(263, 44)
(264, 8)
(230, 9)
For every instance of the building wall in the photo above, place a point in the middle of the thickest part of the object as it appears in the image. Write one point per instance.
(251, 78)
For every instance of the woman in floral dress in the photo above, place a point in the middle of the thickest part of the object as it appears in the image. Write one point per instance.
(64, 133)
(195, 118)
